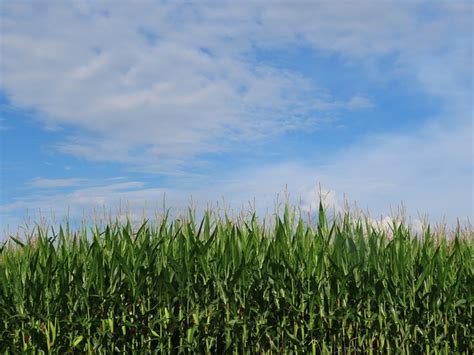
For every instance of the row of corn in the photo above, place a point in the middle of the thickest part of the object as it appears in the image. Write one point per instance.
(244, 286)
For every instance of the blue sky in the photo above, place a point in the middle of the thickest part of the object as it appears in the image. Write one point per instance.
(108, 103)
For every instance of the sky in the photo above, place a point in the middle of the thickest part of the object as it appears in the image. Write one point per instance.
(106, 104)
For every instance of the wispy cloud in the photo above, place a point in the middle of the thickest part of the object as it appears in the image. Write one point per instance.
(163, 95)
(55, 183)
(95, 196)
(382, 173)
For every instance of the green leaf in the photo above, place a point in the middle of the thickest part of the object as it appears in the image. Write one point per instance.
(17, 241)
(77, 341)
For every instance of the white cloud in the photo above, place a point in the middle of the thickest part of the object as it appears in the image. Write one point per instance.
(170, 100)
(83, 198)
(310, 201)
(132, 81)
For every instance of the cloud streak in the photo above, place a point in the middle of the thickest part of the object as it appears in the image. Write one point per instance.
(55, 183)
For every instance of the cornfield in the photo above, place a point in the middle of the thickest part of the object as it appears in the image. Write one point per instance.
(243, 286)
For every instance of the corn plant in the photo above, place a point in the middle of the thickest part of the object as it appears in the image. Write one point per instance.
(219, 285)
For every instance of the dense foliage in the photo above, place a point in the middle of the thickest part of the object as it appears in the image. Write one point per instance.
(238, 286)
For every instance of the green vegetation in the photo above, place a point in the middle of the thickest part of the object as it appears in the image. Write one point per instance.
(238, 286)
